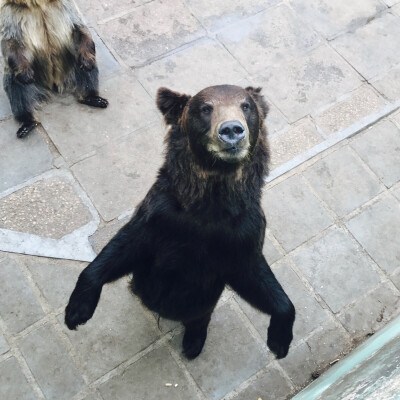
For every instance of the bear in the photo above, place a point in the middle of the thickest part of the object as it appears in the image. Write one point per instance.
(47, 49)
(201, 226)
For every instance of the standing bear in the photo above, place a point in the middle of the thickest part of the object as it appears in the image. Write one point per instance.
(46, 48)
(201, 225)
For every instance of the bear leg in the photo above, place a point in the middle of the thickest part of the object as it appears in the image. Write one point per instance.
(195, 336)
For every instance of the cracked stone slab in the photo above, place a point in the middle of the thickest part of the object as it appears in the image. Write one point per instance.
(214, 65)
(286, 145)
(377, 44)
(131, 164)
(21, 159)
(151, 30)
(77, 129)
(48, 208)
(330, 19)
(268, 38)
(362, 102)
(316, 79)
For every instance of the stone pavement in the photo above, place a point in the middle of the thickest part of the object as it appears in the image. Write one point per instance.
(331, 73)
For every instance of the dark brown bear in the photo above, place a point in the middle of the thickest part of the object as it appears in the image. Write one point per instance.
(201, 225)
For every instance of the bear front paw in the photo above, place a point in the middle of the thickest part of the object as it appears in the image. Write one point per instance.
(193, 343)
(280, 336)
(80, 308)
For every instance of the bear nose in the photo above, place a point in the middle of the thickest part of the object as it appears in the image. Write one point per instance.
(231, 132)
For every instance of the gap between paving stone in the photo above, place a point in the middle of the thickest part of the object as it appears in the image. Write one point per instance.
(73, 246)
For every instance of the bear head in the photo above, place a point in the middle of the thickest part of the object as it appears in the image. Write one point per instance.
(223, 124)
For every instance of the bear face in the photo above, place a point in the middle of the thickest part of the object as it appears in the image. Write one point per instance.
(222, 123)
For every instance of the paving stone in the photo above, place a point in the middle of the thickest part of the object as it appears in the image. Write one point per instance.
(391, 3)
(396, 279)
(105, 60)
(389, 84)
(5, 109)
(271, 254)
(4, 347)
(21, 159)
(19, 307)
(102, 236)
(329, 19)
(269, 386)
(50, 364)
(307, 83)
(371, 312)
(214, 65)
(288, 217)
(288, 144)
(131, 164)
(334, 177)
(376, 43)
(229, 357)
(275, 121)
(328, 343)
(397, 193)
(13, 384)
(216, 15)
(97, 11)
(147, 379)
(118, 330)
(326, 264)
(151, 30)
(268, 38)
(379, 147)
(55, 278)
(49, 208)
(375, 228)
(309, 314)
(361, 103)
(77, 129)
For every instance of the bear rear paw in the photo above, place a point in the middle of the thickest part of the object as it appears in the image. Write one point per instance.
(193, 343)
(25, 128)
(94, 101)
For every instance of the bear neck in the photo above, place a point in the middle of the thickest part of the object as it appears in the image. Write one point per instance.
(194, 186)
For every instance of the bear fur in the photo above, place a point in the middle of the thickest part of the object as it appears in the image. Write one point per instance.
(201, 225)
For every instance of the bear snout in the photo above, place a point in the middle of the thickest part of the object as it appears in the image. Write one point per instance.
(232, 132)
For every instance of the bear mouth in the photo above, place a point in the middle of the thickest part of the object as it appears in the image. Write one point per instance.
(233, 153)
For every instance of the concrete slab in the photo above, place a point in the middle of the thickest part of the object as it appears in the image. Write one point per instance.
(384, 217)
(268, 38)
(309, 82)
(151, 30)
(324, 264)
(4, 347)
(271, 384)
(389, 84)
(229, 357)
(361, 103)
(371, 312)
(119, 329)
(19, 307)
(290, 222)
(50, 364)
(379, 147)
(77, 129)
(288, 144)
(13, 384)
(376, 43)
(108, 65)
(333, 179)
(147, 378)
(217, 15)
(23, 159)
(270, 252)
(330, 20)
(49, 208)
(214, 66)
(129, 166)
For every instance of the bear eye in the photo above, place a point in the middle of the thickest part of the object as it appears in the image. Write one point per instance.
(245, 106)
(206, 109)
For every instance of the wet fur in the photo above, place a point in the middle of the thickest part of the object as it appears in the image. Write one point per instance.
(199, 228)
(46, 48)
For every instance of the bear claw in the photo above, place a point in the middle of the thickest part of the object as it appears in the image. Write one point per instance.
(94, 101)
(25, 128)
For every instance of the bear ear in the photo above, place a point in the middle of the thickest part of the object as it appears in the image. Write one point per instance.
(171, 104)
(255, 93)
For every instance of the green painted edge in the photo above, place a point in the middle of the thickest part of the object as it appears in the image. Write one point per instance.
(354, 359)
